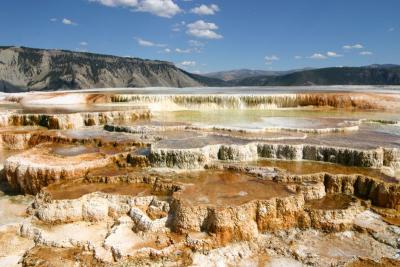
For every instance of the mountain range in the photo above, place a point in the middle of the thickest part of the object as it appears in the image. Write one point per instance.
(368, 75)
(232, 75)
(30, 69)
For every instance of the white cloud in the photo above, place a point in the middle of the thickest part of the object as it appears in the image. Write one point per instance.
(147, 43)
(391, 29)
(205, 10)
(115, 3)
(298, 57)
(68, 22)
(177, 27)
(182, 51)
(318, 56)
(333, 54)
(270, 59)
(366, 53)
(355, 46)
(188, 63)
(83, 43)
(167, 50)
(162, 8)
(195, 43)
(202, 29)
(53, 19)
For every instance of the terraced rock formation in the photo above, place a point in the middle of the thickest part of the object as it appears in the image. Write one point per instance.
(200, 181)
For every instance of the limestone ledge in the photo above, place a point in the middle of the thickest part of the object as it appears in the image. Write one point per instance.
(349, 126)
(18, 138)
(29, 139)
(262, 101)
(229, 132)
(71, 121)
(96, 207)
(36, 168)
(198, 157)
(143, 129)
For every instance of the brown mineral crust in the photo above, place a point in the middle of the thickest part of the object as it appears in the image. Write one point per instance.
(14, 138)
(232, 223)
(338, 100)
(381, 194)
(55, 138)
(126, 184)
(184, 218)
(73, 120)
(322, 100)
(333, 220)
(365, 262)
(390, 216)
(280, 213)
(237, 222)
(59, 257)
(98, 98)
(138, 161)
(160, 186)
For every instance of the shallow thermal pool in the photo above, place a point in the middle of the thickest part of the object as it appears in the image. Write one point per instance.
(76, 190)
(227, 188)
(261, 119)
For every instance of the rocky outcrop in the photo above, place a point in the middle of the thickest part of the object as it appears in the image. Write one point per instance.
(375, 74)
(23, 69)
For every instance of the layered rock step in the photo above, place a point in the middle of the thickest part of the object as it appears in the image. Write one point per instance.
(71, 121)
(29, 171)
(198, 157)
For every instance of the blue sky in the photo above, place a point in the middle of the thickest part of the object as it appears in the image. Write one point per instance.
(203, 36)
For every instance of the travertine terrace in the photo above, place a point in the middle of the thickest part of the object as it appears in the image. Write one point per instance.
(201, 177)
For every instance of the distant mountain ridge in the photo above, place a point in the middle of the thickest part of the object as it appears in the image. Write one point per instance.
(30, 69)
(231, 75)
(368, 75)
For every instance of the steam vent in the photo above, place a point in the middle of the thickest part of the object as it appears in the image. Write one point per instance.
(201, 177)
